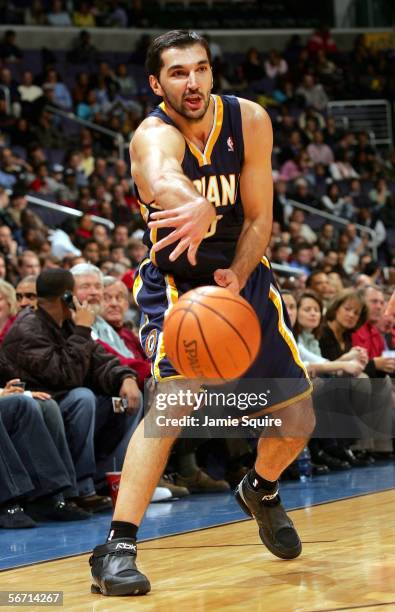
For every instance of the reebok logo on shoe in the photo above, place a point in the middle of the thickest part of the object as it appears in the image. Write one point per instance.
(125, 546)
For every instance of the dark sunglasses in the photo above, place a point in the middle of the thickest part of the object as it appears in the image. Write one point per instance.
(28, 296)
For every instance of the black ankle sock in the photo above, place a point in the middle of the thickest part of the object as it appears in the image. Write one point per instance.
(260, 484)
(122, 529)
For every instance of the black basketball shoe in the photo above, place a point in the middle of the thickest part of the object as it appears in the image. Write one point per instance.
(276, 529)
(114, 571)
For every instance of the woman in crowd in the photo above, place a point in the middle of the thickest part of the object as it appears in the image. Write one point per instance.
(341, 388)
(346, 314)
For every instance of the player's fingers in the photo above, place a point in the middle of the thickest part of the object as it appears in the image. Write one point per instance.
(173, 237)
(164, 214)
(168, 222)
(193, 247)
(180, 248)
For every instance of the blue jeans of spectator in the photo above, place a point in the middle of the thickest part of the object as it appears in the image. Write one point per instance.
(97, 437)
(78, 409)
(112, 435)
(29, 460)
(54, 422)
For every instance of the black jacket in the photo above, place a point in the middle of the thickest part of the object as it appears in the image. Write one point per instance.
(54, 359)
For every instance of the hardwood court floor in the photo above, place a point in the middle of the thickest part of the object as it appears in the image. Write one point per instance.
(348, 563)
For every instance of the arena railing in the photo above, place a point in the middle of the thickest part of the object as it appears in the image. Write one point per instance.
(285, 270)
(59, 211)
(340, 220)
(372, 116)
(118, 138)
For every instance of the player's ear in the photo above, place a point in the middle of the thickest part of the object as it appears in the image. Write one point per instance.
(155, 85)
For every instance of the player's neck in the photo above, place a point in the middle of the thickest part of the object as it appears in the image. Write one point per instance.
(195, 131)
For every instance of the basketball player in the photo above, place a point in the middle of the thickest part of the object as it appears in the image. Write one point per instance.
(202, 166)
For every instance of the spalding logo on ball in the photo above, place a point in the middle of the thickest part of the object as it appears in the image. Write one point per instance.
(211, 333)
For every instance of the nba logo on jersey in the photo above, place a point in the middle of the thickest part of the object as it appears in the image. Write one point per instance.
(229, 142)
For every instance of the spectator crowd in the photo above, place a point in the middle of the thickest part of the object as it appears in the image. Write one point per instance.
(68, 325)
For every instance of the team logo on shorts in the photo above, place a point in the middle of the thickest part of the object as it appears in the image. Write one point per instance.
(150, 343)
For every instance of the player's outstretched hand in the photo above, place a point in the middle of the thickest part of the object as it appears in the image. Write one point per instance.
(227, 279)
(191, 220)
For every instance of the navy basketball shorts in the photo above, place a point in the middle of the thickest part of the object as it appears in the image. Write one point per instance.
(278, 364)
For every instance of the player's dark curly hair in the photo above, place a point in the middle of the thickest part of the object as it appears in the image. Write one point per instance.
(175, 38)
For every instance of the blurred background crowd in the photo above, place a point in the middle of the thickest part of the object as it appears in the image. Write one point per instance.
(70, 223)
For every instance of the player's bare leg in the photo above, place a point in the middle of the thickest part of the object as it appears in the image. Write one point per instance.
(257, 493)
(113, 564)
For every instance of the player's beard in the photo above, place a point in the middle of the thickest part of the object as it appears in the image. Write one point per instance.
(181, 110)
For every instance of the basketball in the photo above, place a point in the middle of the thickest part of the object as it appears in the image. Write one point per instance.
(211, 333)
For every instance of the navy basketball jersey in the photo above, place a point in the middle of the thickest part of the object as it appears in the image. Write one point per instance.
(215, 172)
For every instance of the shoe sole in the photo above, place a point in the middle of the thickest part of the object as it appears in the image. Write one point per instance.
(281, 553)
(115, 590)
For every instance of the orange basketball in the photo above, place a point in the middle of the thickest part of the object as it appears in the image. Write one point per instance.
(211, 333)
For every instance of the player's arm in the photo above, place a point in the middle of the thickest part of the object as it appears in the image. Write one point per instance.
(256, 190)
(156, 152)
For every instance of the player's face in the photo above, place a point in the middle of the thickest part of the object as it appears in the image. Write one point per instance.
(185, 81)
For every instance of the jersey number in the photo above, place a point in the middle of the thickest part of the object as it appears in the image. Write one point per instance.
(213, 226)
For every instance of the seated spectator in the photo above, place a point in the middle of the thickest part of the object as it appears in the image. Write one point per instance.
(378, 367)
(8, 246)
(341, 167)
(62, 96)
(91, 252)
(357, 197)
(332, 133)
(51, 353)
(318, 282)
(29, 92)
(303, 193)
(323, 451)
(8, 308)
(252, 66)
(3, 267)
(379, 195)
(28, 263)
(275, 65)
(312, 93)
(35, 15)
(9, 51)
(32, 471)
(302, 258)
(117, 17)
(83, 16)
(334, 203)
(114, 309)
(322, 40)
(301, 166)
(82, 51)
(57, 16)
(89, 288)
(318, 151)
(26, 293)
(126, 82)
(306, 232)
